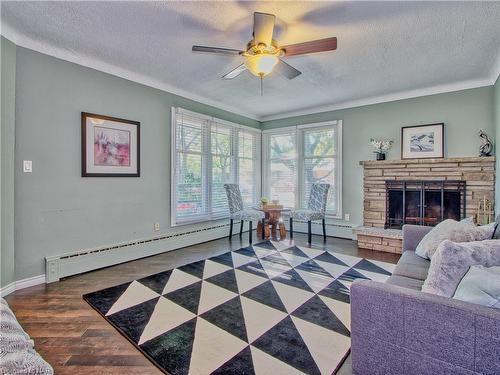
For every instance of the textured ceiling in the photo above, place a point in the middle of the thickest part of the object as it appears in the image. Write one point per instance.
(385, 49)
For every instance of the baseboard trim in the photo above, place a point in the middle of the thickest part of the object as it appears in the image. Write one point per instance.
(22, 284)
(8, 289)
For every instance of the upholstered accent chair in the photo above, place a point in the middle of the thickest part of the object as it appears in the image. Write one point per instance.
(238, 212)
(315, 210)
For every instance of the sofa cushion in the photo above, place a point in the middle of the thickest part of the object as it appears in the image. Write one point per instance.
(454, 231)
(496, 233)
(413, 266)
(452, 261)
(480, 285)
(405, 282)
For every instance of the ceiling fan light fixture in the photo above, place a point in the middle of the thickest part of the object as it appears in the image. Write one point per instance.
(262, 64)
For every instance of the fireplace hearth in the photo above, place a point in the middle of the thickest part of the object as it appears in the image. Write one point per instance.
(424, 202)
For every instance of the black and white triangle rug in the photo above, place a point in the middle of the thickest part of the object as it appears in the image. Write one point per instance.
(262, 309)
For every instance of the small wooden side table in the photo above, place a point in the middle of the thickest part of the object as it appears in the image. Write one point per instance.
(272, 224)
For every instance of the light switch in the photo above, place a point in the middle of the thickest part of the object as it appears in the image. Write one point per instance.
(27, 166)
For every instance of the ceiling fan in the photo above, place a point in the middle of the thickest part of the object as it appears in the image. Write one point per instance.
(263, 54)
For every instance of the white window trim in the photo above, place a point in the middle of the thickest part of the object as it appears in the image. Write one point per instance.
(173, 159)
(296, 129)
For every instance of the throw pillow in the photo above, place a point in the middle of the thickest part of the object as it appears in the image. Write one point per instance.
(452, 261)
(480, 285)
(496, 234)
(468, 220)
(490, 227)
(454, 231)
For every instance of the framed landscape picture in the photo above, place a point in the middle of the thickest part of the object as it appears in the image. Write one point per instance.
(422, 141)
(110, 146)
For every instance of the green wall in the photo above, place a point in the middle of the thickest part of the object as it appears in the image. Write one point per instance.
(463, 112)
(8, 85)
(56, 209)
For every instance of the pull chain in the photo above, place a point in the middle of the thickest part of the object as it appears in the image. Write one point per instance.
(261, 85)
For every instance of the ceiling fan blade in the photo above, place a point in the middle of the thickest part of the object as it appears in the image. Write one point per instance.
(320, 45)
(263, 27)
(218, 50)
(235, 72)
(287, 70)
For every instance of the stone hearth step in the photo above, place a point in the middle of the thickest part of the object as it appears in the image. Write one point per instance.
(379, 239)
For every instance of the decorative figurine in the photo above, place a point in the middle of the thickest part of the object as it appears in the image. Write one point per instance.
(381, 147)
(486, 145)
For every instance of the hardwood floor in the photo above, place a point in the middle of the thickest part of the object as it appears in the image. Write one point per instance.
(75, 339)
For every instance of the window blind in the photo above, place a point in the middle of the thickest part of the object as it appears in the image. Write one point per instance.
(221, 160)
(319, 163)
(299, 156)
(248, 165)
(190, 136)
(209, 153)
(282, 167)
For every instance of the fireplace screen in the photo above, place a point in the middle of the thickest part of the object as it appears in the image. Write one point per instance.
(423, 202)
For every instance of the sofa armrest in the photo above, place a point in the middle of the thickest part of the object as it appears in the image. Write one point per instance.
(395, 330)
(412, 235)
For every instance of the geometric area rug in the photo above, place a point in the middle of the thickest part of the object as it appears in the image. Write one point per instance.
(262, 309)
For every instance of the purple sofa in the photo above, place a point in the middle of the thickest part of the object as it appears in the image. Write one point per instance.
(396, 329)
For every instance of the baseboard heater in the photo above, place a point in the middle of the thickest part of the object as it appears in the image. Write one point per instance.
(76, 262)
(73, 263)
(340, 230)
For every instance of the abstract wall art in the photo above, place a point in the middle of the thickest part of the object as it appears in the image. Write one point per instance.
(110, 146)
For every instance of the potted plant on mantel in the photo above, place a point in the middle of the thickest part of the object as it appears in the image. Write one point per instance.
(381, 147)
(263, 202)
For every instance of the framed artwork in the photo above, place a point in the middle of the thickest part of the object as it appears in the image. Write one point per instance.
(110, 146)
(422, 141)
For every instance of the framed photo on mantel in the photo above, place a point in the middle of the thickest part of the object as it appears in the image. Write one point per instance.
(110, 146)
(422, 141)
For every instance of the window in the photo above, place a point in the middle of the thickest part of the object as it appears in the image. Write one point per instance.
(282, 168)
(297, 157)
(209, 153)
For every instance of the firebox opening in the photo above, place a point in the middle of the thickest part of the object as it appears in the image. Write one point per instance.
(423, 202)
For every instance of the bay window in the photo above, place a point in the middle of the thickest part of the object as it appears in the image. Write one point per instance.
(206, 154)
(297, 157)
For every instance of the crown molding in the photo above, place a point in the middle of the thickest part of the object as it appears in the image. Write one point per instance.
(22, 40)
(441, 89)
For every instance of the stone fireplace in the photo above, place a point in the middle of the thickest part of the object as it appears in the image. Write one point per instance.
(435, 186)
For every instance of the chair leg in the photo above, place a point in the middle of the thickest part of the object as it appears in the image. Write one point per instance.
(230, 228)
(309, 232)
(263, 229)
(291, 228)
(241, 228)
(250, 232)
(324, 229)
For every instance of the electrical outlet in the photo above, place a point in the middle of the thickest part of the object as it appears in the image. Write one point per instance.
(157, 227)
(347, 217)
(27, 166)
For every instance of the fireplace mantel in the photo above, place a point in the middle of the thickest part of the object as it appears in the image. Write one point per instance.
(478, 172)
(472, 159)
